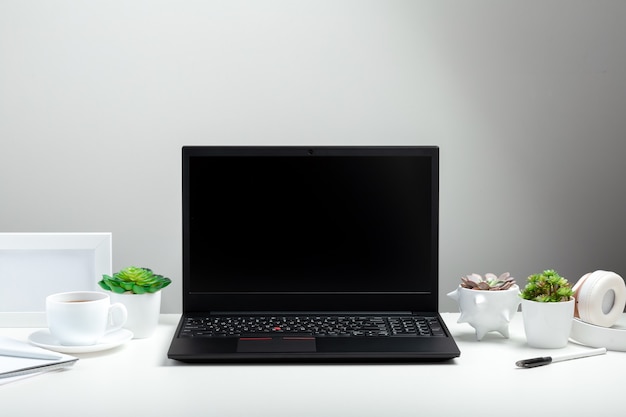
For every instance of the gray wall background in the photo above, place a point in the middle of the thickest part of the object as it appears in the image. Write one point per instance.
(527, 101)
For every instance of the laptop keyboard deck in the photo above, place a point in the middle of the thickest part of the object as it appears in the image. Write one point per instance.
(311, 325)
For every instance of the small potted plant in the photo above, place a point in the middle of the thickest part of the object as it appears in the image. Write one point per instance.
(139, 289)
(487, 303)
(547, 309)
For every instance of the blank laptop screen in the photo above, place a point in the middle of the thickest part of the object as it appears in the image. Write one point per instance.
(311, 222)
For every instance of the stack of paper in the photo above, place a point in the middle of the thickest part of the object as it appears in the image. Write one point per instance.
(19, 359)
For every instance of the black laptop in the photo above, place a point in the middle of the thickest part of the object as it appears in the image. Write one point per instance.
(310, 254)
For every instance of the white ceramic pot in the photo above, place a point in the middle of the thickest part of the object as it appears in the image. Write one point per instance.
(487, 311)
(548, 325)
(143, 312)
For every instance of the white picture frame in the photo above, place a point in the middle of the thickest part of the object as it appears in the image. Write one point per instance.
(35, 265)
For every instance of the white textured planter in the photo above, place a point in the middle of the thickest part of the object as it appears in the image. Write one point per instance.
(548, 325)
(487, 311)
(143, 312)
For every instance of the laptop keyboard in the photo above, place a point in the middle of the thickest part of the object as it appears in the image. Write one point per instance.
(318, 326)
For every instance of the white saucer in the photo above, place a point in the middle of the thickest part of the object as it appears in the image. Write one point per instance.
(44, 339)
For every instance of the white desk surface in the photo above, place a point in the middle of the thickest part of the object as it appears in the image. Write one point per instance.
(137, 379)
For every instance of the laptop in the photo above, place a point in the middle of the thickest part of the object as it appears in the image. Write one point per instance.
(306, 254)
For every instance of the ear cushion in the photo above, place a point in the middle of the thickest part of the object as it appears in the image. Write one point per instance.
(600, 298)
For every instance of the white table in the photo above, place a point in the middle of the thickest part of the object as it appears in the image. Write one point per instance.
(137, 379)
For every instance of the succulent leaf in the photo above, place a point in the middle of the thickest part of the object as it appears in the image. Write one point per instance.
(104, 285)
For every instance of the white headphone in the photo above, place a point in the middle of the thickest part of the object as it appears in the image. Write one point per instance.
(600, 298)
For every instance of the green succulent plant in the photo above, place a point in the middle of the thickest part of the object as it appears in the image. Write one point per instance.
(134, 280)
(547, 287)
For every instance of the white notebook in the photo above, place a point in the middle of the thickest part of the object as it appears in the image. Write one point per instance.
(14, 365)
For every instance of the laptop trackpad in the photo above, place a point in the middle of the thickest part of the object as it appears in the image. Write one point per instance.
(276, 344)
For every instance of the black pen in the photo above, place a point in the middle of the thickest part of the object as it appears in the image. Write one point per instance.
(545, 360)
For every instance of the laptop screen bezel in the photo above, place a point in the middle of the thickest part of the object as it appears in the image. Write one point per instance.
(426, 300)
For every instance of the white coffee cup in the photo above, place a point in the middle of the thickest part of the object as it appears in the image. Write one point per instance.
(82, 318)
